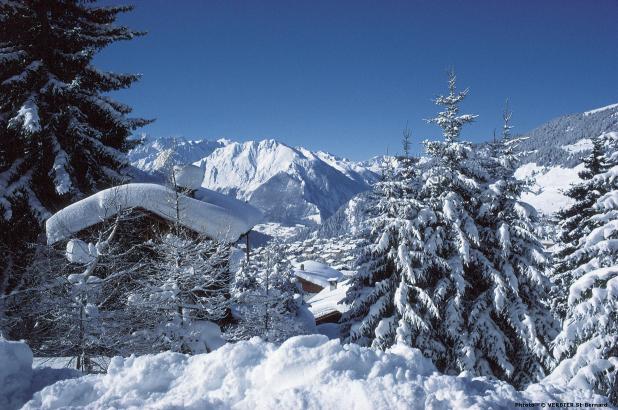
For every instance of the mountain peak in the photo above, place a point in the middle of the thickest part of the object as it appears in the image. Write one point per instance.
(291, 185)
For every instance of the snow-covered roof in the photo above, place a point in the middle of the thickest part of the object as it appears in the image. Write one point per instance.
(317, 273)
(327, 301)
(209, 213)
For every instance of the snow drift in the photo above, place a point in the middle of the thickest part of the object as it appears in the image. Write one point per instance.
(307, 372)
(18, 380)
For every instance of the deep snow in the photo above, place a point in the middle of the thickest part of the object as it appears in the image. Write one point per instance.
(18, 379)
(308, 372)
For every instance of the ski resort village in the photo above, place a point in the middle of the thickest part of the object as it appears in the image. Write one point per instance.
(177, 232)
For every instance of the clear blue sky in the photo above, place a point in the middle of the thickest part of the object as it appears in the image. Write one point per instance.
(346, 76)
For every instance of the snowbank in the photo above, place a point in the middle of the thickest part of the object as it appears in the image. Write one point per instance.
(308, 372)
(18, 381)
(15, 373)
(212, 214)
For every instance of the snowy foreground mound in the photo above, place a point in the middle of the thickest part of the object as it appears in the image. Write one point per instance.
(307, 372)
(18, 380)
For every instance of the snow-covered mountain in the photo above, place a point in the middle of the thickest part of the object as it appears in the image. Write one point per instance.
(295, 185)
(155, 155)
(561, 141)
(291, 185)
(554, 153)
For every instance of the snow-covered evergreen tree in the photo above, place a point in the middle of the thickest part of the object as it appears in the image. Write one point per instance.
(267, 299)
(380, 293)
(519, 290)
(576, 221)
(447, 279)
(61, 137)
(587, 276)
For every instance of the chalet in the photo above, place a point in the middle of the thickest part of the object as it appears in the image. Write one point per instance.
(326, 306)
(152, 207)
(315, 276)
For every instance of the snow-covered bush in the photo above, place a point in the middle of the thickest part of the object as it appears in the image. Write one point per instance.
(187, 282)
(307, 372)
(267, 300)
(72, 307)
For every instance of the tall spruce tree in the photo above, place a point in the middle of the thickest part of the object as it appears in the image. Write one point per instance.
(475, 261)
(61, 137)
(455, 266)
(576, 221)
(586, 279)
(379, 292)
(507, 232)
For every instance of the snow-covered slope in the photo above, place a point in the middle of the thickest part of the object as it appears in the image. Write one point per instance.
(548, 185)
(548, 182)
(554, 153)
(559, 141)
(597, 110)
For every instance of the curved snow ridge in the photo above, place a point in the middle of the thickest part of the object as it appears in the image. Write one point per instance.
(212, 214)
(308, 372)
(608, 107)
